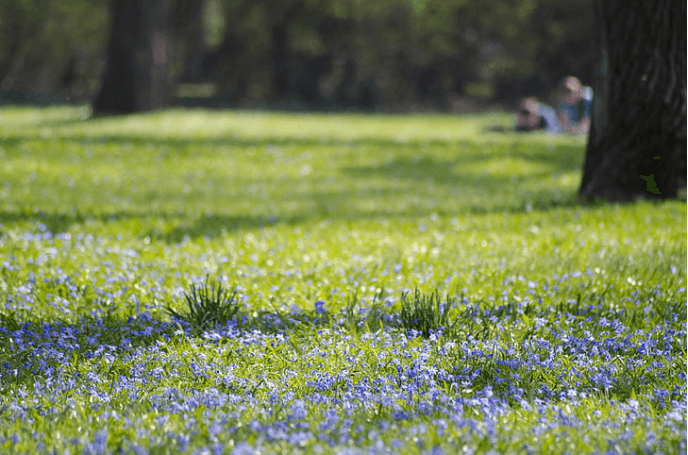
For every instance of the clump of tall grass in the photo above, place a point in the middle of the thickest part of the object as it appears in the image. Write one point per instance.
(426, 313)
(371, 319)
(208, 305)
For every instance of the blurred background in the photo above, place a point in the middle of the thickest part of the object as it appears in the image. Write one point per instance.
(382, 55)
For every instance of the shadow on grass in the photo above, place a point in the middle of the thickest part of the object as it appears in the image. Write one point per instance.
(32, 349)
(38, 348)
(211, 226)
(565, 157)
(204, 226)
(411, 182)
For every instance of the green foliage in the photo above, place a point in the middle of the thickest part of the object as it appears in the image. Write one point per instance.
(357, 318)
(393, 53)
(9, 321)
(208, 305)
(396, 54)
(48, 42)
(213, 23)
(426, 313)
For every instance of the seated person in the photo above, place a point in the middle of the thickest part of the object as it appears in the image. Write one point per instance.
(533, 115)
(574, 110)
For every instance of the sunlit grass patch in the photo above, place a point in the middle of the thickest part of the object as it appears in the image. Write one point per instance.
(208, 305)
(197, 281)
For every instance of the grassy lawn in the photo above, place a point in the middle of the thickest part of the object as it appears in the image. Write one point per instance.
(389, 284)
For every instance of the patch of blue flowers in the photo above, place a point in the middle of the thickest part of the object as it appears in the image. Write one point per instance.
(146, 384)
(565, 364)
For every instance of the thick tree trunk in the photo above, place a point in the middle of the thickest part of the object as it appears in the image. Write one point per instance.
(637, 143)
(138, 71)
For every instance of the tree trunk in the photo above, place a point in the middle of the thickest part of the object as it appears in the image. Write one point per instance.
(189, 25)
(280, 60)
(138, 71)
(637, 143)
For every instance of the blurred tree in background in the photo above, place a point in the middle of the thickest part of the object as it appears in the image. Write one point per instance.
(52, 46)
(386, 54)
(138, 71)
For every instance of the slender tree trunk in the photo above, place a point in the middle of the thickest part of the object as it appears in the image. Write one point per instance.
(280, 60)
(281, 47)
(189, 25)
(138, 71)
(637, 143)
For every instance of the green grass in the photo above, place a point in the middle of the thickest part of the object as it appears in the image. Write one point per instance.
(207, 306)
(403, 284)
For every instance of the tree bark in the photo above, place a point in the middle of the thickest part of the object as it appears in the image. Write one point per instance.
(637, 143)
(138, 71)
(280, 60)
(188, 18)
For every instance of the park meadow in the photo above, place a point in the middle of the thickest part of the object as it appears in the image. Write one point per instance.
(243, 282)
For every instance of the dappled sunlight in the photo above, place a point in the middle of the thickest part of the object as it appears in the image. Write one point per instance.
(199, 124)
(394, 275)
(279, 165)
(506, 167)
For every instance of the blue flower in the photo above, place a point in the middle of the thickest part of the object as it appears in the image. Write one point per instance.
(662, 395)
(243, 448)
(320, 307)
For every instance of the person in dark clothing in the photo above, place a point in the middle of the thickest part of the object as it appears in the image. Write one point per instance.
(533, 116)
